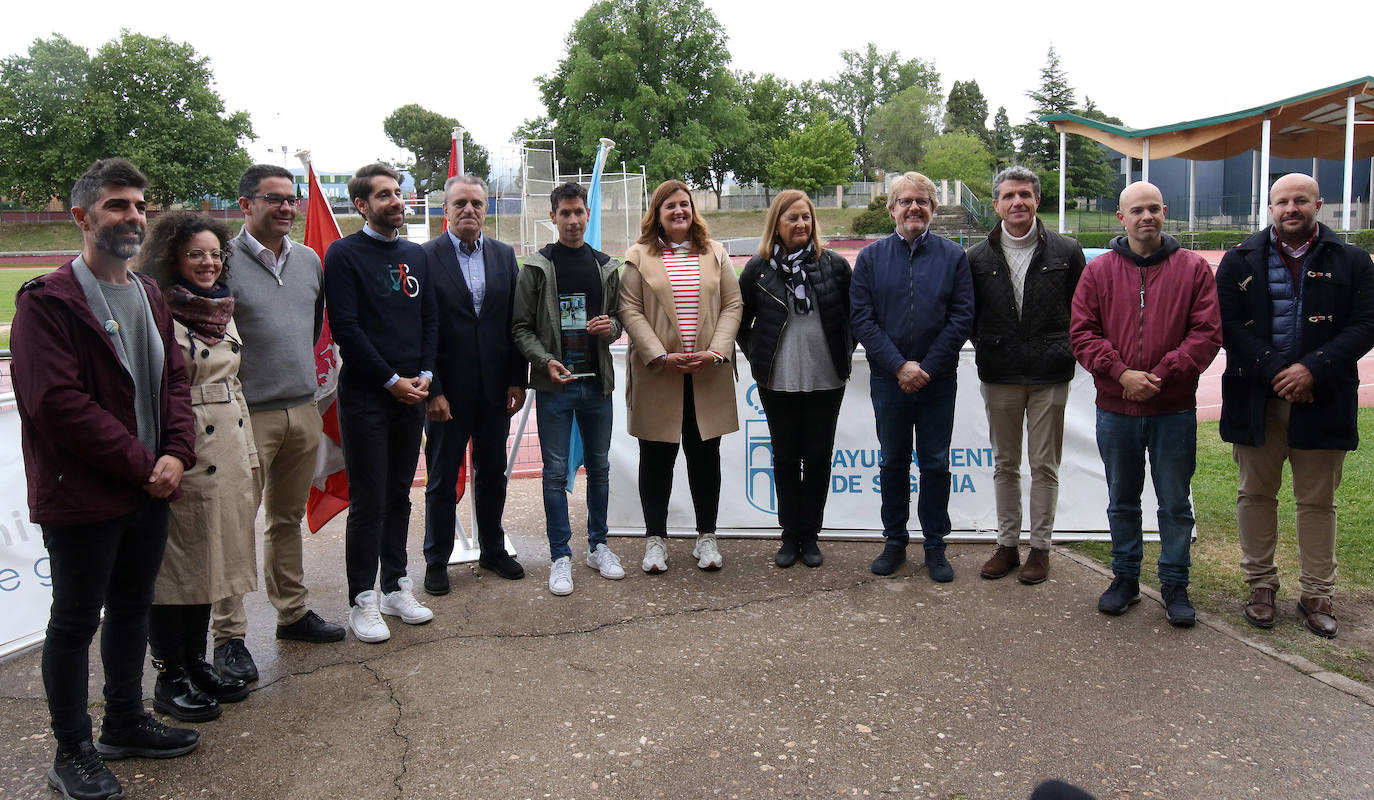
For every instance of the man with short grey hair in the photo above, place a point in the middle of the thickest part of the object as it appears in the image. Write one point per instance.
(279, 308)
(479, 382)
(1024, 276)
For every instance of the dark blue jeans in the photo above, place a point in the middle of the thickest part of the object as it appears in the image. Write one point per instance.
(929, 415)
(581, 402)
(1170, 441)
(111, 564)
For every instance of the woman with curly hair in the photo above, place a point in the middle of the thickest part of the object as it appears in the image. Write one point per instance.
(210, 546)
(680, 305)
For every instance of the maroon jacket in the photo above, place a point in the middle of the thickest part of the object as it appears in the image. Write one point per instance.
(1162, 318)
(82, 456)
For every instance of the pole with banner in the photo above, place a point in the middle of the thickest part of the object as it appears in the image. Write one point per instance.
(329, 492)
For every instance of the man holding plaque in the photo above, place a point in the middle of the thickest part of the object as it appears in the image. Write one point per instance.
(566, 316)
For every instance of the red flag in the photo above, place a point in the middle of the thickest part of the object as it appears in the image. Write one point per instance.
(452, 166)
(329, 494)
(463, 467)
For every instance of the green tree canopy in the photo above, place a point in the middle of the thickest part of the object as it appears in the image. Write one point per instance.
(428, 135)
(820, 154)
(149, 100)
(1003, 137)
(868, 80)
(959, 157)
(650, 74)
(900, 130)
(774, 108)
(967, 110)
(1090, 173)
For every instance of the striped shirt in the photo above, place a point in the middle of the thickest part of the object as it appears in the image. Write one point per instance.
(684, 274)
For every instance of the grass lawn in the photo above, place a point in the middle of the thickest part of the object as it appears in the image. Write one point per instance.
(10, 281)
(1217, 581)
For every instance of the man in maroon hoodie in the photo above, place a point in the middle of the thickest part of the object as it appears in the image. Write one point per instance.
(1145, 323)
(105, 416)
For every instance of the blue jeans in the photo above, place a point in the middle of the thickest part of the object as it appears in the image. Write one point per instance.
(582, 401)
(929, 414)
(1171, 443)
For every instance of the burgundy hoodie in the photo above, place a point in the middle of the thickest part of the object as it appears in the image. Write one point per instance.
(1157, 314)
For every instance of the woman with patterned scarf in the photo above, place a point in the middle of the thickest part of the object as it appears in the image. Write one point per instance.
(795, 334)
(210, 544)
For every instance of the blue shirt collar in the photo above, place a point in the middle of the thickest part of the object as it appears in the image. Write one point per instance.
(367, 229)
(458, 243)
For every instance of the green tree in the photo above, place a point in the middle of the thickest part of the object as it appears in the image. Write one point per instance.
(428, 135)
(902, 127)
(147, 99)
(967, 110)
(1003, 143)
(1090, 171)
(820, 154)
(1040, 142)
(774, 108)
(959, 156)
(868, 80)
(650, 74)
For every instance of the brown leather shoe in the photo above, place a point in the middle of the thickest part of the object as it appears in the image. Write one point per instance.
(1318, 615)
(1037, 567)
(1259, 609)
(1003, 560)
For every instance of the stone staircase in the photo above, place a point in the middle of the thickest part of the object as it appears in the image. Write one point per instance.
(952, 222)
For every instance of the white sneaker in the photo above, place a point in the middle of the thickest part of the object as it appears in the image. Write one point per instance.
(655, 555)
(402, 603)
(365, 619)
(706, 553)
(560, 576)
(606, 562)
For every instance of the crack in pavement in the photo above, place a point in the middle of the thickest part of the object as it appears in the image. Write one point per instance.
(395, 726)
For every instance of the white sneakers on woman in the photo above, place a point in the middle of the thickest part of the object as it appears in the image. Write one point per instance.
(706, 553)
(655, 555)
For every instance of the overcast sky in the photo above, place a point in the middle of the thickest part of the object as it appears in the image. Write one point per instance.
(324, 75)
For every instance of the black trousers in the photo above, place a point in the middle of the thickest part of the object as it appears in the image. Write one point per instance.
(445, 442)
(176, 633)
(112, 564)
(802, 428)
(381, 444)
(656, 462)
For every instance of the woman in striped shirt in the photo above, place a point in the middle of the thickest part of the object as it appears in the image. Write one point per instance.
(680, 304)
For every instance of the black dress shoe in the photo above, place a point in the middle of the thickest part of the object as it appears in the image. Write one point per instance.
(79, 774)
(144, 737)
(502, 564)
(311, 628)
(937, 566)
(206, 678)
(436, 580)
(176, 696)
(232, 660)
(892, 557)
(811, 553)
(787, 554)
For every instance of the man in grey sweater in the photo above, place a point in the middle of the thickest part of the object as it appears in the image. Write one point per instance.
(277, 285)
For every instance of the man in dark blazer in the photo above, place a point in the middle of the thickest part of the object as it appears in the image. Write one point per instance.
(478, 384)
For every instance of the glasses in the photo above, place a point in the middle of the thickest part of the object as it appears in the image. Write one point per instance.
(906, 202)
(201, 255)
(277, 200)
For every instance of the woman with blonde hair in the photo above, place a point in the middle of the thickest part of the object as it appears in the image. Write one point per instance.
(680, 305)
(795, 334)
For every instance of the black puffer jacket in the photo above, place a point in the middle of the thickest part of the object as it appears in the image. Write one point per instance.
(1034, 347)
(765, 311)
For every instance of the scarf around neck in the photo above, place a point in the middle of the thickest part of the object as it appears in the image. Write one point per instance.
(790, 268)
(204, 312)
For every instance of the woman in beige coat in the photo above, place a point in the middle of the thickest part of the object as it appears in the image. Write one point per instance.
(680, 305)
(210, 546)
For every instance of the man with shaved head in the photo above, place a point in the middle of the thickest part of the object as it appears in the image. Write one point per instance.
(1297, 313)
(1145, 324)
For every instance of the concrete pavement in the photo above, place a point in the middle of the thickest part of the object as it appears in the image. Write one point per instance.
(748, 682)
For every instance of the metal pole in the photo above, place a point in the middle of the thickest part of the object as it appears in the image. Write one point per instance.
(1349, 161)
(1145, 160)
(1192, 195)
(625, 190)
(1264, 173)
(458, 137)
(1063, 168)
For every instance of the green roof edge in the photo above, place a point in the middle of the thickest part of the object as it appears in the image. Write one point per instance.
(1140, 133)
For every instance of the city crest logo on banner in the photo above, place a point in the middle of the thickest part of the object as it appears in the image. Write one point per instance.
(759, 488)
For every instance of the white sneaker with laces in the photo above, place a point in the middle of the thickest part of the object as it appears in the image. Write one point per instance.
(706, 553)
(402, 603)
(655, 555)
(365, 619)
(605, 562)
(560, 576)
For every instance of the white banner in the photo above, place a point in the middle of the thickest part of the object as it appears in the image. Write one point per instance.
(747, 505)
(25, 586)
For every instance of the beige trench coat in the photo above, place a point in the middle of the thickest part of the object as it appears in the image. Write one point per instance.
(211, 552)
(653, 394)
